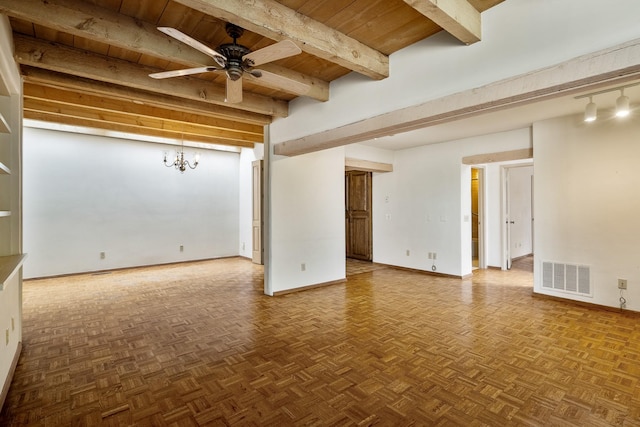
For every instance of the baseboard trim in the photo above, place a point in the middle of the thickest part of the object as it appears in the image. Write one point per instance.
(428, 273)
(585, 304)
(12, 370)
(306, 288)
(135, 267)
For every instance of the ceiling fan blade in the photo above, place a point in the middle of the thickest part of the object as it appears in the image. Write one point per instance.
(178, 35)
(234, 91)
(280, 50)
(286, 84)
(178, 73)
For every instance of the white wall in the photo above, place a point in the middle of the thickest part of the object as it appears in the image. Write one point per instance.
(372, 154)
(307, 220)
(421, 206)
(586, 203)
(87, 194)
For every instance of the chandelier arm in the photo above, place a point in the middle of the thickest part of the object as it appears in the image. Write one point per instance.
(172, 164)
(195, 164)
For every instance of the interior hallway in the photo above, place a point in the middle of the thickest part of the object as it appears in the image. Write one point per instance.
(199, 344)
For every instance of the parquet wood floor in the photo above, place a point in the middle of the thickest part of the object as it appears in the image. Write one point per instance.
(356, 266)
(198, 344)
(525, 263)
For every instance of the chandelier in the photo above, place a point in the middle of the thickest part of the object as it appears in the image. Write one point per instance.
(179, 162)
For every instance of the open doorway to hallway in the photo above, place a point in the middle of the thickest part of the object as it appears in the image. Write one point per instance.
(518, 215)
(486, 208)
(477, 218)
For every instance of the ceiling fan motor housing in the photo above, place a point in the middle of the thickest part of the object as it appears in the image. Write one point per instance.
(234, 53)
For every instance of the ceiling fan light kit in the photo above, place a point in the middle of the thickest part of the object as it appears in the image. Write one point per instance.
(235, 60)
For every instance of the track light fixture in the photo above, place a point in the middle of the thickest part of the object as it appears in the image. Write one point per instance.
(622, 103)
(591, 111)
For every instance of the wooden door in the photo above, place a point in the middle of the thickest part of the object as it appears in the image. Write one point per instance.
(358, 215)
(256, 216)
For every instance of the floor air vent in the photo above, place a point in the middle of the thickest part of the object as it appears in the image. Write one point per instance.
(575, 279)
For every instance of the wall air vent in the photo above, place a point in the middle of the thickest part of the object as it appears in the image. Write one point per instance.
(574, 279)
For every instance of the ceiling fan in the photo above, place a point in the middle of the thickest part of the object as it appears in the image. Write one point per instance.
(236, 60)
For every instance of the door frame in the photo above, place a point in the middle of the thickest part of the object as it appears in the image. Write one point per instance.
(482, 215)
(257, 211)
(369, 209)
(505, 214)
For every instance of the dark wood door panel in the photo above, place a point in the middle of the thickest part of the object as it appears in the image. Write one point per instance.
(358, 221)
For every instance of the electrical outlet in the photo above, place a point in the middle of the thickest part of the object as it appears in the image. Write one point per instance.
(6, 342)
(103, 255)
(430, 255)
(181, 248)
(435, 255)
(408, 252)
(622, 283)
(303, 267)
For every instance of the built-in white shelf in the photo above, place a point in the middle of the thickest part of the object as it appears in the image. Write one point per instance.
(4, 126)
(8, 267)
(4, 170)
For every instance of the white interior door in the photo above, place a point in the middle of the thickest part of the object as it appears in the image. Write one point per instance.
(256, 216)
(518, 212)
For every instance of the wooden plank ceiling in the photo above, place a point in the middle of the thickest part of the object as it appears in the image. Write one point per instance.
(87, 63)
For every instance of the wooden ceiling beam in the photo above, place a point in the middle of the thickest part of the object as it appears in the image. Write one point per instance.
(318, 89)
(225, 129)
(278, 22)
(457, 17)
(53, 79)
(615, 65)
(126, 128)
(55, 57)
(98, 24)
(141, 122)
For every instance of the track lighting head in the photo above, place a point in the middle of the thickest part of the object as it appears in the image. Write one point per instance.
(622, 105)
(591, 111)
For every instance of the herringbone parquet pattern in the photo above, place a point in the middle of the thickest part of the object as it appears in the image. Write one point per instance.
(198, 344)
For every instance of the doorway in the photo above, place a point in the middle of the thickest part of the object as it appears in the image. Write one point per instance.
(358, 218)
(257, 188)
(477, 218)
(517, 213)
